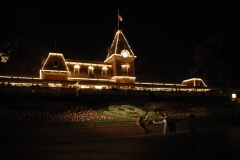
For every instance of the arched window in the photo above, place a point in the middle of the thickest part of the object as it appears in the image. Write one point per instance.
(91, 71)
(104, 71)
(76, 69)
(125, 70)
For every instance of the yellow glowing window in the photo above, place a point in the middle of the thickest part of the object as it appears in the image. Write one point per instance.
(125, 70)
(104, 71)
(90, 70)
(76, 69)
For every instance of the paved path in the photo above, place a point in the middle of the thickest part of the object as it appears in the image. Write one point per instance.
(213, 142)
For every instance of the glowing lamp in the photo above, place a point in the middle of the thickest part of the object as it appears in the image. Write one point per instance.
(234, 96)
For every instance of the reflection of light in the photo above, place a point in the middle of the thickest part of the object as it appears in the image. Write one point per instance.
(234, 95)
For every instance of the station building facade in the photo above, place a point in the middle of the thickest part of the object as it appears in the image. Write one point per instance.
(116, 71)
(118, 67)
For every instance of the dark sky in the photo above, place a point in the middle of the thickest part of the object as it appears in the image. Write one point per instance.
(164, 34)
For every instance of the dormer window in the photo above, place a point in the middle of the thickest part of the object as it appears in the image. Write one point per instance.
(104, 71)
(55, 64)
(76, 69)
(125, 70)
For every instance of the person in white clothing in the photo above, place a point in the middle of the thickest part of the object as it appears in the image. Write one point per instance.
(164, 122)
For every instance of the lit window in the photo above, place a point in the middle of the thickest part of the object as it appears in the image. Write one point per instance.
(55, 63)
(104, 71)
(125, 70)
(76, 69)
(54, 85)
(91, 71)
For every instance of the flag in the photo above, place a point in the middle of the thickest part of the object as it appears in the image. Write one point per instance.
(120, 18)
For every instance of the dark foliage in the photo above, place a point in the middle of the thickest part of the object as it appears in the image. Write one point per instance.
(217, 61)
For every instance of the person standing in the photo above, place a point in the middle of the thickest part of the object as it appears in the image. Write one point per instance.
(141, 124)
(192, 128)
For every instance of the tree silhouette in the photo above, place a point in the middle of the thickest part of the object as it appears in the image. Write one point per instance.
(21, 35)
(146, 70)
(217, 61)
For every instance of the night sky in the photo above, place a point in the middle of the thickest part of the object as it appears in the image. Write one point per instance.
(161, 34)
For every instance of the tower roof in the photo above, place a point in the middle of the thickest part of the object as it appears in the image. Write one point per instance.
(119, 43)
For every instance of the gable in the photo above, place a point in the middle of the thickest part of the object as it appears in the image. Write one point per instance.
(119, 43)
(55, 61)
(197, 82)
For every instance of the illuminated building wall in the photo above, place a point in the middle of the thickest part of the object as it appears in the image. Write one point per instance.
(117, 71)
(118, 66)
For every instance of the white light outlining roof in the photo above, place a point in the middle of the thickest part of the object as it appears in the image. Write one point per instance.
(194, 81)
(117, 77)
(54, 71)
(167, 84)
(19, 77)
(91, 79)
(117, 43)
(127, 44)
(89, 64)
(55, 54)
(116, 39)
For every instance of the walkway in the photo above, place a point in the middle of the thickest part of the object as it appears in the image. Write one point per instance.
(215, 140)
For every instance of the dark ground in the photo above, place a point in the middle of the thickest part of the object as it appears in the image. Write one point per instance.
(216, 139)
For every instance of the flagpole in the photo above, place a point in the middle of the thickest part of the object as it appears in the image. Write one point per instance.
(118, 18)
(55, 42)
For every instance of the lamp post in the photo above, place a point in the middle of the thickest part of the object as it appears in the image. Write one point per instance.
(234, 96)
(234, 99)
